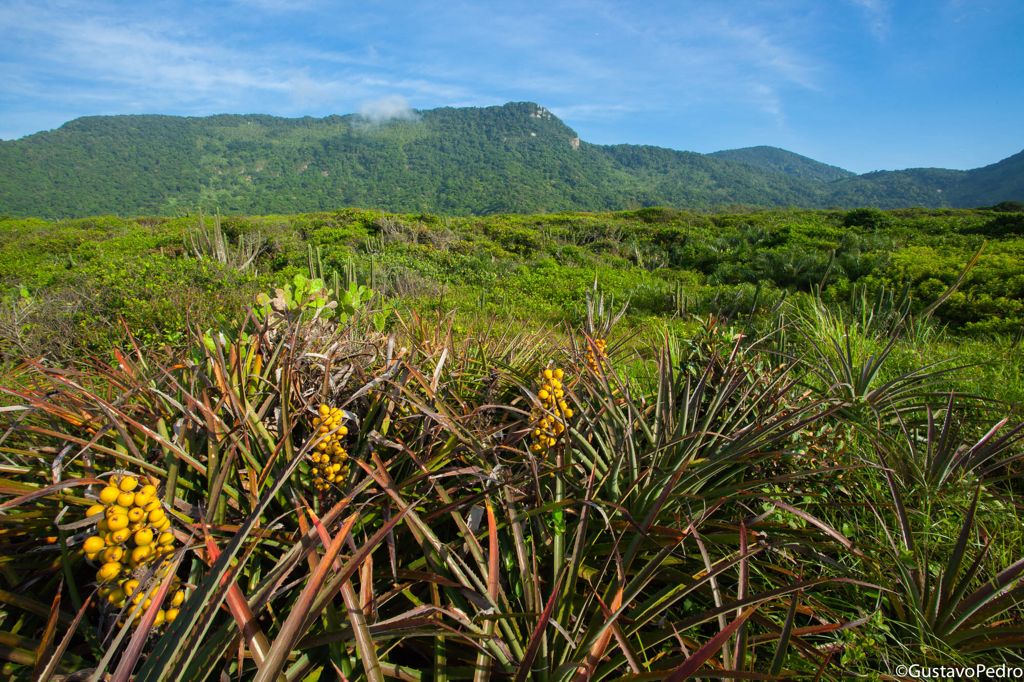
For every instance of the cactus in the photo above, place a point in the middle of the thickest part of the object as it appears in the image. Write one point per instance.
(350, 274)
(680, 300)
(315, 262)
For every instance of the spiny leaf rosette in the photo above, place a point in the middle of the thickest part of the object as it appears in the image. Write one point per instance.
(135, 533)
(551, 417)
(597, 355)
(330, 460)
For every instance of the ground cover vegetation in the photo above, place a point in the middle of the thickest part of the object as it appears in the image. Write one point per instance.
(642, 445)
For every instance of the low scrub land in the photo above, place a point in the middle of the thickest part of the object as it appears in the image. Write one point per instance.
(641, 445)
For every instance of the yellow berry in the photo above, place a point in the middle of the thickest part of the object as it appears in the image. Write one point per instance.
(145, 495)
(143, 537)
(116, 597)
(117, 521)
(153, 504)
(171, 615)
(108, 571)
(126, 499)
(559, 374)
(136, 514)
(93, 544)
(160, 618)
(166, 539)
(163, 525)
(156, 516)
(120, 536)
(140, 554)
(109, 494)
(112, 554)
(129, 586)
(128, 484)
(94, 510)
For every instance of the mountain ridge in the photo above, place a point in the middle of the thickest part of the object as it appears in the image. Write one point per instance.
(517, 157)
(784, 161)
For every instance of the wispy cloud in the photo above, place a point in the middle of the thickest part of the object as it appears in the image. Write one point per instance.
(595, 58)
(878, 16)
(283, 6)
(593, 111)
(154, 63)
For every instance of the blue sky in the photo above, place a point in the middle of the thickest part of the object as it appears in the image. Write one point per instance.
(863, 84)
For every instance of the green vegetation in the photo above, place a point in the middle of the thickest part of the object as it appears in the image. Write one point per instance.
(512, 158)
(66, 284)
(425, 448)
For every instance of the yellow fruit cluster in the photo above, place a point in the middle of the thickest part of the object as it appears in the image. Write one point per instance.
(142, 597)
(597, 354)
(550, 418)
(330, 460)
(134, 532)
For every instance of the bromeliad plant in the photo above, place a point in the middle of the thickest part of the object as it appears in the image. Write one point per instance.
(941, 596)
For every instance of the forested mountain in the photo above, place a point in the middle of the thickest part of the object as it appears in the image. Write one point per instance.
(513, 158)
(782, 161)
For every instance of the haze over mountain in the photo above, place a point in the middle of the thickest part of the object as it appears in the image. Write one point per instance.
(513, 158)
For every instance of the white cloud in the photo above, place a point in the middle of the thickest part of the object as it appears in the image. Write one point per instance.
(392, 107)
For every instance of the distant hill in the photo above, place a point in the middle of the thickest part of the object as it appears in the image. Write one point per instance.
(513, 158)
(932, 187)
(782, 161)
(987, 186)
